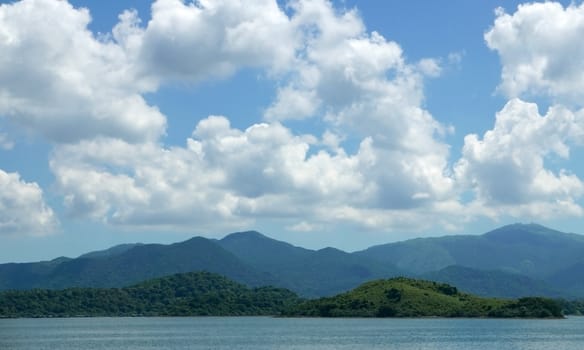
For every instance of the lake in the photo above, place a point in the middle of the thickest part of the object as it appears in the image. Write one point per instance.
(283, 333)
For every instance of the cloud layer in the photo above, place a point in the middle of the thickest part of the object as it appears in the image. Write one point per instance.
(85, 94)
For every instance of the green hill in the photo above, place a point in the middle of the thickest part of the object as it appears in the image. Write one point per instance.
(207, 294)
(190, 294)
(405, 297)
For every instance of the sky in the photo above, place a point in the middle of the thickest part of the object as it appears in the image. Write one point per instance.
(321, 123)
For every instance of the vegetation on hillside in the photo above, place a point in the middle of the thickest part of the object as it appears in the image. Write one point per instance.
(510, 262)
(310, 273)
(405, 297)
(492, 283)
(207, 294)
(572, 307)
(189, 294)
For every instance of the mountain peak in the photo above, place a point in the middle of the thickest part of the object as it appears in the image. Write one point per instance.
(522, 231)
(331, 251)
(244, 235)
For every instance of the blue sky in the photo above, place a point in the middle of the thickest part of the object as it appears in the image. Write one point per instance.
(345, 123)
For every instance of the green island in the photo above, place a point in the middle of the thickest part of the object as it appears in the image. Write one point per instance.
(406, 297)
(208, 294)
(186, 294)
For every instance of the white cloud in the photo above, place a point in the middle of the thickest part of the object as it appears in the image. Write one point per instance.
(303, 226)
(225, 178)
(541, 50)
(365, 87)
(431, 67)
(507, 170)
(110, 165)
(58, 80)
(5, 142)
(330, 67)
(209, 39)
(293, 104)
(23, 210)
(137, 184)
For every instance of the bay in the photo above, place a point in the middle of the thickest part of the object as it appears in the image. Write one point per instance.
(289, 333)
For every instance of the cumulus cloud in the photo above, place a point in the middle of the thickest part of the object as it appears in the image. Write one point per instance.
(541, 51)
(507, 170)
(223, 176)
(23, 210)
(58, 80)
(329, 67)
(226, 177)
(208, 39)
(362, 85)
(110, 163)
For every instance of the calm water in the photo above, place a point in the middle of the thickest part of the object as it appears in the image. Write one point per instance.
(274, 333)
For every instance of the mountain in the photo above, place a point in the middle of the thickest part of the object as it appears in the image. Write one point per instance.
(512, 261)
(132, 265)
(115, 250)
(190, 294)
(570, 279)
(493, 283)
(308, 272)
(27, 275)
(531, 250)
(405, 297)
(246, 257)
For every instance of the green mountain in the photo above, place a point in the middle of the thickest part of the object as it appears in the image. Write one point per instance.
(132, 265)
(246, 257)
(404, 297)
(492, 283)
(512, 261)
(531, 250)
(113, 251)
(310, 273)
(190, 294)
(570, 279)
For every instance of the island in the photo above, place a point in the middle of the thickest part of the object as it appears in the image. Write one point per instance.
(185, 294)
(407, 297)
(208, 294)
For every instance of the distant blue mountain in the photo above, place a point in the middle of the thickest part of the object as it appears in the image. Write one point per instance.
(511, 261)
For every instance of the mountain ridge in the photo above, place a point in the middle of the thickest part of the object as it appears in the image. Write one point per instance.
(545, 260)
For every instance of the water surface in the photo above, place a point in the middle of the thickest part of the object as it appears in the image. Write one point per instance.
(295, 333)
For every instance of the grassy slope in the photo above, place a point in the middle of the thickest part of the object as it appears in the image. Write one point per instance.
(404, 297)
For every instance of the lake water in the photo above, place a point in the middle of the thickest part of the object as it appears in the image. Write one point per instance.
(282, 333)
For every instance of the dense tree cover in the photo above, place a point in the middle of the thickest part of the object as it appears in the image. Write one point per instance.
(572, 307)
(207, 294)
(404, 297)
(190, 294)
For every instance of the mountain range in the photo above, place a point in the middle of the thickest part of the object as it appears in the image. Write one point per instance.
(511, 261)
